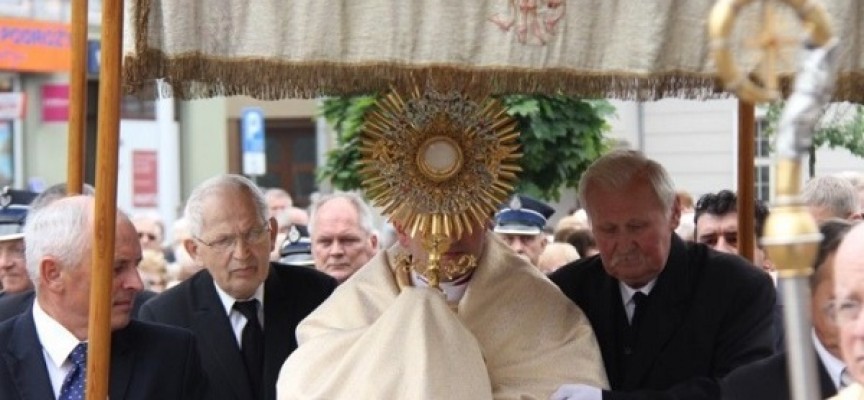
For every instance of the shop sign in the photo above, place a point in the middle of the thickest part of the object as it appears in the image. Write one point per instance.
(12, 105)
(145, 181)
(34, 46)
(55, 102)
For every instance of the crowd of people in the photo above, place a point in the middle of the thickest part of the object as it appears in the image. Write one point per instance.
(639, 294)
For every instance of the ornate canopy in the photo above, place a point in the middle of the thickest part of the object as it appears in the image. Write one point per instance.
(628, 49)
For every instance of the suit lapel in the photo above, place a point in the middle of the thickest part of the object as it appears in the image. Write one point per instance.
(664, 312)
(25, 360)
(826, 384)
(217, 338)
(609, 300)
(279, 326)
(122, 361)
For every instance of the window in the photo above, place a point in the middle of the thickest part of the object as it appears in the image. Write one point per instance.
(763, 145)
(762, 169)
(7, 134)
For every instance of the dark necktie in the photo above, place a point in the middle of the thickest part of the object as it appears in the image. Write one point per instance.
(845, 378)
(252, 343)
(73, 385)
(638, 309)
(631, 331)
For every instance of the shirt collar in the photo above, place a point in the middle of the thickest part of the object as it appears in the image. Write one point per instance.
(228, 301)
(453, 291)
(627, 292)
(57, 341)
(832, 364)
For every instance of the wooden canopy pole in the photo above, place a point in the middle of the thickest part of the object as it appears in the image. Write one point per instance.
(99, 329)
(746, 174)
(77, 99)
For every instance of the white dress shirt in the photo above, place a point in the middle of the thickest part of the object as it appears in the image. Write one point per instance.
(627, 293)
(238, 321)
(832, 364)
(57, 343)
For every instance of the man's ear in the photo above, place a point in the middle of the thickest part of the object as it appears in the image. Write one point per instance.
(274, 231)
(675, 219)
(191, 247)
(373, 240)
(50, 273)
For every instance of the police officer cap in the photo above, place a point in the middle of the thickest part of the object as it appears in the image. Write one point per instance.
(296, 250)
(14, 205)
(522, 215)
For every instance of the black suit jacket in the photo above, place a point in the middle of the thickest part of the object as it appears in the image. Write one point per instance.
(290, 294)
(767, 379)
(148, 361)
(707, 314)
(16, 304)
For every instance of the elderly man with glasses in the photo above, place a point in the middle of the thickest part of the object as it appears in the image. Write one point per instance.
(767, 379)
(242, 309)
(849, 292)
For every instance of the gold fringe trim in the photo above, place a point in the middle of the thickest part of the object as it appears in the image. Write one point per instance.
(196, 75)
(199, 76)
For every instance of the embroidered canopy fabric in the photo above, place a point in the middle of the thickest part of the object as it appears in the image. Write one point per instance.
(630, 49)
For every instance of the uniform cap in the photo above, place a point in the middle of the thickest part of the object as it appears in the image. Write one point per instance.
(522, 215)
(14, 205)
(296, 250)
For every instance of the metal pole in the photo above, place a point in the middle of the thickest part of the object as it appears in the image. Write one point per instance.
(168, 165)
(99, 329)
(801, 363)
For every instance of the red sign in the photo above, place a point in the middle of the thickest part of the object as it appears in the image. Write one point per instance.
(55, 102)
(145, 182)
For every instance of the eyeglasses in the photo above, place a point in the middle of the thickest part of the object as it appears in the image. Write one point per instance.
(227, 243)
(844, 311)
(151, 236)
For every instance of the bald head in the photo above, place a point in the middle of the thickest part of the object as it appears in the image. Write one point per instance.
(849, 291)
(556, 255)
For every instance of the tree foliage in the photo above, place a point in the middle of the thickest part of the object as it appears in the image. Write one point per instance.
(843, 128)
(560, 137)
(346, 116)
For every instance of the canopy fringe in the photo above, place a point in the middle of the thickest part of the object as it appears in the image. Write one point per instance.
(197, 76)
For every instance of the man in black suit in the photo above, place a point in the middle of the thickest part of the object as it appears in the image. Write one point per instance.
(14, 214)
(768, 378)
(671, 317)
(716, 220)
(232, 237)
(42, 350)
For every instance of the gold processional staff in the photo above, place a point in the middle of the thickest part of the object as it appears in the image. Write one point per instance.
(791, 235)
